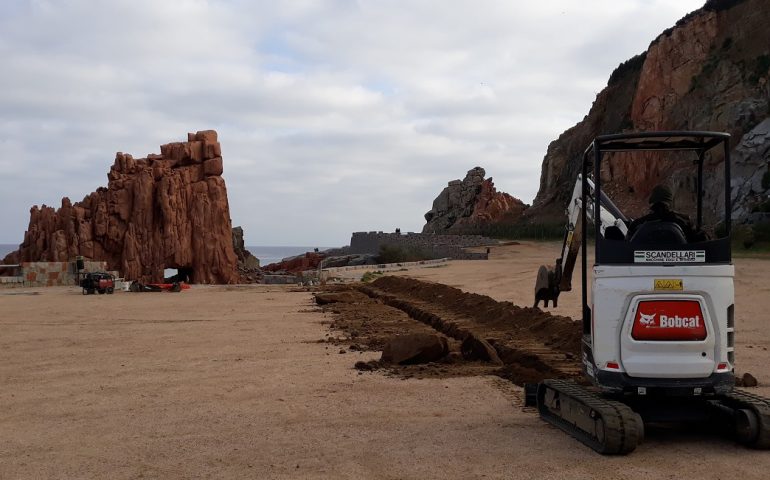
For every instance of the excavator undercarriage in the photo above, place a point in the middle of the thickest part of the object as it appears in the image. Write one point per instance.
(614, 427)
(605, 425)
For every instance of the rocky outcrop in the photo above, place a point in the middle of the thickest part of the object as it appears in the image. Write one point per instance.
(300, 263)
(13, 258)
(470, 205)
(709, 72)
(248, 265)
(245, 258)
(163, 211)
(751, 169)
(348, 260)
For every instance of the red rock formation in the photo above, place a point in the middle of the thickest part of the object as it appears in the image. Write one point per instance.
(12, 258)
(163, 211)
(471, 205)
(709, 72)
(300, 263)
(493, 206)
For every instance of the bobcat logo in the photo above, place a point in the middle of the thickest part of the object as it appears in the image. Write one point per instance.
(647, 320)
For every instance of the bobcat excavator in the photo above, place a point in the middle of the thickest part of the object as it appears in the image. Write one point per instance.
(658, 311)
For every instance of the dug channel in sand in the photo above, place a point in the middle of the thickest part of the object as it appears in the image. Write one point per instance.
(528, 344)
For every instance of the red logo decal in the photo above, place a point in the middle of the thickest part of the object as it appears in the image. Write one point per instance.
(669, 320)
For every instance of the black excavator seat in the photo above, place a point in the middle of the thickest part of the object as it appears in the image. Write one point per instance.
(658, 232)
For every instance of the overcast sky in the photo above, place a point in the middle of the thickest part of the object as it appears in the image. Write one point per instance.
(334, 116)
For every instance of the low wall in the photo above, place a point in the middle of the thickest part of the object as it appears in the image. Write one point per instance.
(312, 277)
(11, 280)
(385, 267)
(434, 245)
(51, 274)
(280, 279)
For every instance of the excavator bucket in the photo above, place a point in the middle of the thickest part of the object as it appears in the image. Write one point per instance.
(546, 287)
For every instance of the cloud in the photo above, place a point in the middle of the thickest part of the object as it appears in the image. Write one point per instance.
(334, 116)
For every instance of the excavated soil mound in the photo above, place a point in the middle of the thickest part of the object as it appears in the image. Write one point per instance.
(360, 323)
(560, 333)
(524, 345)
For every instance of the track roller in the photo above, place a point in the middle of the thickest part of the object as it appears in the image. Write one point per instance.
(607, 426)
(751, 418)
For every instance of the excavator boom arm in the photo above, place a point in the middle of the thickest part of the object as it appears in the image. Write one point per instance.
(553, 280)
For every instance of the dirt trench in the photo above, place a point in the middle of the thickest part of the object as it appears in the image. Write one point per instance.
(531, 344)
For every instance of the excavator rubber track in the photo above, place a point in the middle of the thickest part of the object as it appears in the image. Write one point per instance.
(751, 418)
(607, 426)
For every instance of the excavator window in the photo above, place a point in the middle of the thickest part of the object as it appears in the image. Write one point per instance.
(688, 174)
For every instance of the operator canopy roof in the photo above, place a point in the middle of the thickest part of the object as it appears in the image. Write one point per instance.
(674, 140)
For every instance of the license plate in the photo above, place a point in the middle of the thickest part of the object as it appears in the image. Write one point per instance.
(669, 284)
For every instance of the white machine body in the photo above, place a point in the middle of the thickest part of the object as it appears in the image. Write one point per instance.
(662, 322)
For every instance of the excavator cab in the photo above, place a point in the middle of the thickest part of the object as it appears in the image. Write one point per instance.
(657, 299)
(658, 318)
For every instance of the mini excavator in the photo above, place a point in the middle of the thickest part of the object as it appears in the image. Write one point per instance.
(658, 315)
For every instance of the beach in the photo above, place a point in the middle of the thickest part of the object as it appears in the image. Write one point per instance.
(238, 382)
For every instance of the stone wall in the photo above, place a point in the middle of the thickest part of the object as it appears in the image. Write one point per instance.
(52, 274)
(433, 245)
(12, 281)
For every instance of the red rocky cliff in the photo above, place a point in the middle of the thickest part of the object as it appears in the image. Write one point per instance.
(163, 211)
(300, 263)
(711, 71)
(471, 206)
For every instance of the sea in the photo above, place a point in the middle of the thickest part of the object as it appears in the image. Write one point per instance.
(265, 254)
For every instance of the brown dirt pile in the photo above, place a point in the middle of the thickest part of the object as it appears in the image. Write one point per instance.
(367, 324)
(558, 332)
(531, 344)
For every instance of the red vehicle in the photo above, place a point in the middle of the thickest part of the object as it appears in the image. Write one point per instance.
(101, 282)
(158, 287)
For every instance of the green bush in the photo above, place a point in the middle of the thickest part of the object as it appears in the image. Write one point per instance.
(632, 65)
(720, 231)
(709, 66)
(740, 235)
(759, 68)
(749, 240)
(761, 232)
(522, 231)
(762, 207)
(752, 237)
(719, 5)
(371, 276)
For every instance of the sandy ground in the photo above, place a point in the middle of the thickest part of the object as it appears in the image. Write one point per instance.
(225, 382)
